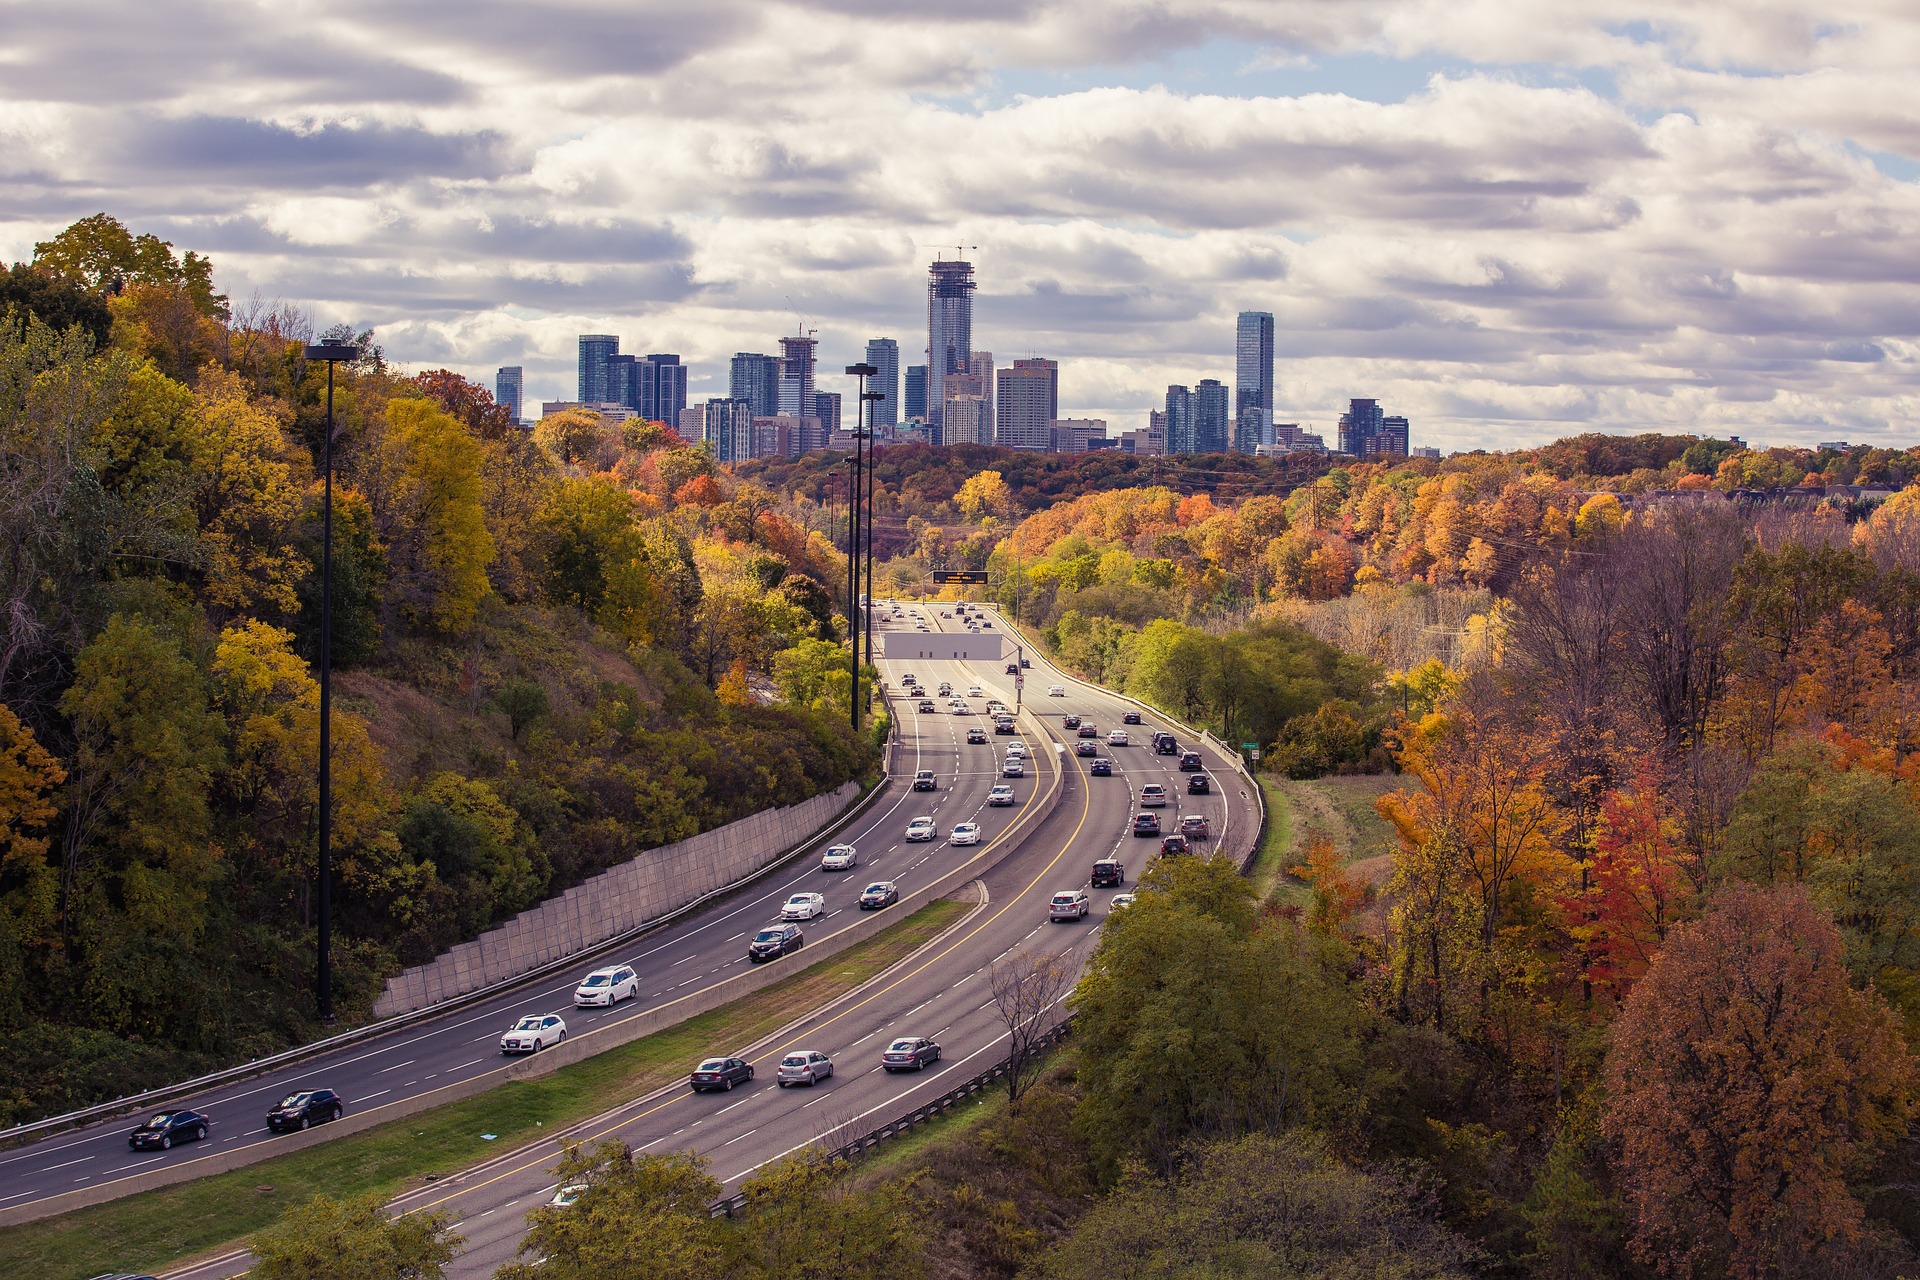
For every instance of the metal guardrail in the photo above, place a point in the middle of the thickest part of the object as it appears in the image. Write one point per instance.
(727, 1207)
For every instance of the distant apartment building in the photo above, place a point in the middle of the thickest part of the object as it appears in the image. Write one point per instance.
(826, 407)
(1210, 417)
(1179, 419)
(1285, 434)
(1150, 441)
(981, 368)
(786, 435)
(596, 350)
(1425, 451)
(755, 378)
(964, 420)
(1367, 432)
(1027, 400)
(509, 390)
(1078, 435)
(724, 424)
(1253, 381)
(913, 394)
(884, 355)
(796, 375)
(611, 412)
(950, 287)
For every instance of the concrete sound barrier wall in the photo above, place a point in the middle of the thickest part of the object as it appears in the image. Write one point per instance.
(614, 902)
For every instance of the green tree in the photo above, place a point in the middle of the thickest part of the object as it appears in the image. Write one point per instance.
(638, 1216)
(328, 1239)
(101, 254)
(804, 1222)
(54, 301)
(522, 702)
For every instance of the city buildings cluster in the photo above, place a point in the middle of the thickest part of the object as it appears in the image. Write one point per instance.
(958, 396)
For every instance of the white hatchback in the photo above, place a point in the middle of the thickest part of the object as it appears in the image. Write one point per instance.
(804, 906)
(965, 833)
(607, 986)
(840, 857)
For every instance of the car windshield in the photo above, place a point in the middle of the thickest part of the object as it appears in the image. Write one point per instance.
(714, 1064)
(796, 899)
(596, 980)
(295, 1100)
(527, 1024)
(876, 888)
(160, 1121)
(768, 935)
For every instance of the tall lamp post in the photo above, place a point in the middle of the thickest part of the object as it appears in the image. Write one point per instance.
(333, 353)
(854, 493)
(868, 399)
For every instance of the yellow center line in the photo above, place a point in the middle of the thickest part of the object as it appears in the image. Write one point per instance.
(1086, 810)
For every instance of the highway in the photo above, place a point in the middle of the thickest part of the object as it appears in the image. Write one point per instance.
(943, 991)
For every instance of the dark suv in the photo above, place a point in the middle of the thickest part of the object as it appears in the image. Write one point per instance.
(1109, 874)
(1130, 717)
(1199, 785)
(1146, 824)
(308, 1107)
(774, 940)
(1174, 845)
(1164, 743)
(1190, 762)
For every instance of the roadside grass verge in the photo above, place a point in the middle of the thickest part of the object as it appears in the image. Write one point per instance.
(1267, 872)
(159, 1229)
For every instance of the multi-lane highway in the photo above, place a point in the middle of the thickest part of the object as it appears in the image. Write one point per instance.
(942, 992)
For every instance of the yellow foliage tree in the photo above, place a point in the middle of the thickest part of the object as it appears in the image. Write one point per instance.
(250, 494)
(453, 547)
(984, 494)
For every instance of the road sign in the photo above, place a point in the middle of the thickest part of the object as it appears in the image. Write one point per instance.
(959, 577)
(1254, 755)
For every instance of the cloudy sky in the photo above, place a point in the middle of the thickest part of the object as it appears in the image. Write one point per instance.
(1508, 219)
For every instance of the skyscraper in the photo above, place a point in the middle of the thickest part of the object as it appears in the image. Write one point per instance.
(755, 378)
(1253, 381)
(508, 390)
(949, 326)
(595, 350)
(622, 385)
(884, 355)
(914, 392)
(1027, 402)
(1358, 426)
(981, 367)
(1210, 416)
(796, 376)
(826, 407)
(1179, 419)
(662, 390)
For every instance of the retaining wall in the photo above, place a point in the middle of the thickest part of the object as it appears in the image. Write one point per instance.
(614, 902)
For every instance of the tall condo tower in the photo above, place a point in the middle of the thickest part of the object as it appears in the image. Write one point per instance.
(796, 375)
(1027, 402)
(1210, 416)
(755, 378)
(1253, 381)
(508, 391)
(596, 350)
(950, 288)
(884, 355)
(1179, 419)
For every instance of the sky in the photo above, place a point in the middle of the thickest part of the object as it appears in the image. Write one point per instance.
(1509, 220)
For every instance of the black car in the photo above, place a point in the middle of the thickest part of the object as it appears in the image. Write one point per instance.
(1108, 874)
(1013, 668)
(164, 1128)
(1070, 722)
(720, 1074)
(773, 941)
(1174, 845)
(910, 1053)
(308, 1107)
(1088, 729)
(881, 893)
(1190, 761)
(1130, 717)
(1146, 824)
(1025, 662)
(1100, 769)
(1086, 747)
(1199, 785)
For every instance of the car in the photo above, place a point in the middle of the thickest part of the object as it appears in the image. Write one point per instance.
(717, 1075)
(925, 706)
(987, 622)
(921, 627)
(1194, 826)
(1086, 747)
(1000, 797)
(1130, 717)
(965, 833)
(1119, 902)
(910, 1053)
(1017, 748)
(1153, 796)
(774, 941)
(1013, 668)
(1118, 738)
(804, 1066)
(881, 893)
(533, 1033)
(564, 1197)
(976, 736)
(1056, 691)
(946, 688)
(1146, 824)
(607, 986)
(305, 1108)
(840, 857)
(1173, 845)
(1101, 768)
(1108, 873)
(974, 691)
(1025, 662)
(1199, 784)
(924, 781)
(1069, 904)
(922, 829)
(995, 707)
(1088, 729)
(909, 679)
(803, 906)
(164, 1128)
(960, 708)
(946, 613)
(1190, 762)
(1014, 767)
(1003, 724)
(1070, 722)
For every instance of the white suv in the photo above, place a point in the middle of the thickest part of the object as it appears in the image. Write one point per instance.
(607, 986)
(1069, 904)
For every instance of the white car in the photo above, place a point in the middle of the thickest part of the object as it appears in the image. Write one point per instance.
(840, 857)
(804, 906)
(922, 829)
(607, 986)
(973, 691)
(1017, 748)
(959, 708)
(965, 833)
(1119, 902)
(563, 1197)
(1000, 796)
(1013, 768)
(533, 1033)
(1118, 738)
(1056, 691)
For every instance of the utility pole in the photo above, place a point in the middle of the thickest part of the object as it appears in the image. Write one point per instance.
(867, 400)
(854, 606)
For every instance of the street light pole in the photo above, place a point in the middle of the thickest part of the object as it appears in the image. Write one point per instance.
(333, 353)
(862, 371)
(868, 399)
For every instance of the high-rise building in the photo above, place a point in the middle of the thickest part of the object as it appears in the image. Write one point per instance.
(1179, 419)
(1027, 401)
(727, 426)
(964, 420)
(826, 407)
(981, 368)
(1359, 425)
(1210, 416)
(796, 375)
(950, 288)
(1253, 380)
(755, 378)
(622, 386)
(662, 390)
(884, 355)
(595, 350)
(509, 390)
(1392, 439)
(913, 400)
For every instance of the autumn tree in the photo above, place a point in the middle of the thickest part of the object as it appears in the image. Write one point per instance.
(437, 539)
(985, 494)
(30, 778)
(638, 1215)
(250, 494)
(1747, 1081)
(328, 1239)
(1635, 892)
(100, 253)
(1027, 988)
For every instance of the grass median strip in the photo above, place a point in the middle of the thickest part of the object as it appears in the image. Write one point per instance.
(159, 1229)
(1276, 847)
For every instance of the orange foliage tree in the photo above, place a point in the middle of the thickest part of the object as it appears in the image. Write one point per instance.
(1635, 891)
